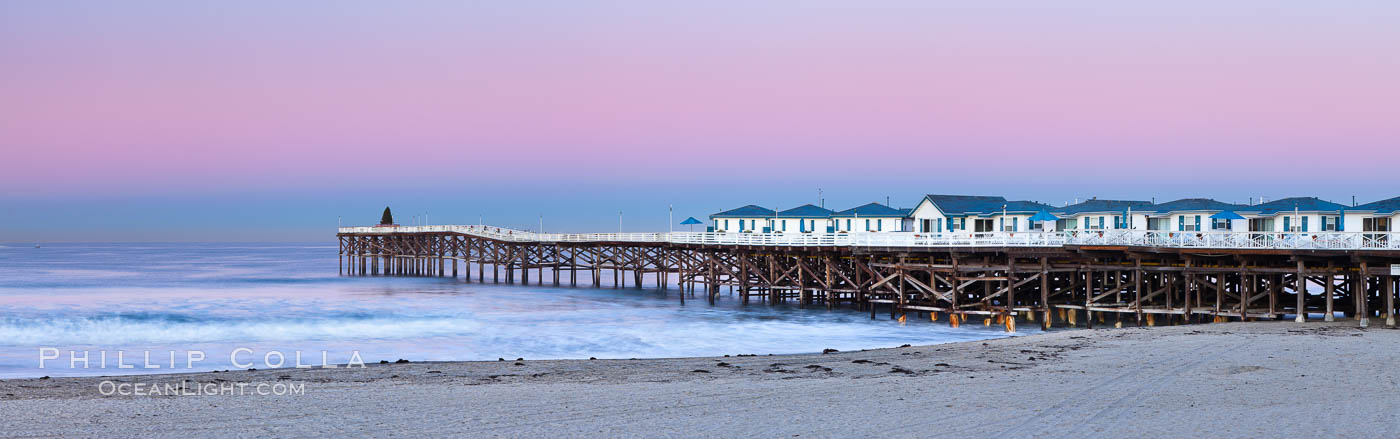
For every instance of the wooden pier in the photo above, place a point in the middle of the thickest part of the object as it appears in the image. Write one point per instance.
(1044, 283)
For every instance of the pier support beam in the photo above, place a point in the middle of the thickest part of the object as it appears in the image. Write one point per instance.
(1363, 317)
(1300, 286)
(1387, 288)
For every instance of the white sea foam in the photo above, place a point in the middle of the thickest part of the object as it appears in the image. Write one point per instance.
(120, 330)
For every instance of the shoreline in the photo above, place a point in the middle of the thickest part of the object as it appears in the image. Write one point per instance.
(1227, 378)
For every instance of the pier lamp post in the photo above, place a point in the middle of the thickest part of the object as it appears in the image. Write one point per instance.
(1003, 217)
(541, 223)
(619, 222)
(671, 217)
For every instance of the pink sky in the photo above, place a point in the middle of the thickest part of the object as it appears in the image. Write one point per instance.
(173, 98)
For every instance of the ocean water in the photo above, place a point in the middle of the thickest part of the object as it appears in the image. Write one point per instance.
(112, 309)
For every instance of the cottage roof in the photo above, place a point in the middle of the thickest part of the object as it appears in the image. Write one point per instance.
(806, 211)
(1302, 204)
(872, 210)
(955, 205)
(748, 211)
(1014, 207)
(1192, 205)
(1097, 205)
(1023, 206)
(1390, 205)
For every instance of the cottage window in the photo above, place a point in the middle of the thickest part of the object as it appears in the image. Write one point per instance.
(1009, 226)
(1183, 226)
(1329, 224)
(1261, 225)
(1301, 225)
(1375, 225)
(1220, 224)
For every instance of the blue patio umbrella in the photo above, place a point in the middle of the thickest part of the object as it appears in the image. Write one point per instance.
(1227, 215)
(1044, 216)
(691, 222)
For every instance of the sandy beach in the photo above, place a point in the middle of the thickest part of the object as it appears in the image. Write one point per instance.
(1232, 379)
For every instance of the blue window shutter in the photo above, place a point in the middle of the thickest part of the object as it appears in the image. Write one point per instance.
(1305, 224)
(879, 225)
(1287, 225)
(1198, 223)
(1341, 223)
(1181, 223)
(1100, 222)
(1001, 224)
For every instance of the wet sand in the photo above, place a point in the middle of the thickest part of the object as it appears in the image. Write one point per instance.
(1230, 379)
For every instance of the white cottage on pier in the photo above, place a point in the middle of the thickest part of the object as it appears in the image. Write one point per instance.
(1298, 214)
(1192, 215)
(747, 219)
(873, 217)
(806, 218)
(1096, 214)
(1379, 216)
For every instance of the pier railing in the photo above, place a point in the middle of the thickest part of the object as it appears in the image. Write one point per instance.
(1134, 238)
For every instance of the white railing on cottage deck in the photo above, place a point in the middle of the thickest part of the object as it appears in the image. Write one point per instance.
(1132, 238)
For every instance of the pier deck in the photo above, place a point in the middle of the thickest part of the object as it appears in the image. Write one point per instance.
(1111, 277)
